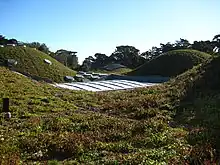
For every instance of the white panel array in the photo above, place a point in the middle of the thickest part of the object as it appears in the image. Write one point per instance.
(105, 85)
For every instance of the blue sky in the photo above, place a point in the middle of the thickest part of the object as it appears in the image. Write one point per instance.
(98, 26)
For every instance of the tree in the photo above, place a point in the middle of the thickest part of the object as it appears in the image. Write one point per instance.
(204, 46)
(68, 58)
(101, 57)
(43, 47)
(34, 45)
(3, 40)
(61, 56)
(166, 47)
(51, 54)
(182, 44)
(128, 56)
(72, 60)
(155, 51)
(12, 41)
(2, 37)
(87, 63)
(217, 38)
(146, 55)
(100, 61)
(216, 41)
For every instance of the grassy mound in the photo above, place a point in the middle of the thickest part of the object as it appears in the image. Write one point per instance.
(171, 63)
(170, 123)
(31, 62)
(198, 109)
(83, 127)
(119, 71)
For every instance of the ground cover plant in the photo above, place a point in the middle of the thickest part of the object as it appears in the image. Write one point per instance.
(171, 63)
(169, 123)
(120, 71)
(31, 62)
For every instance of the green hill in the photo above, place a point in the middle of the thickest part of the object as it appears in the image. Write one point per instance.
(198, 109)
(119, 71)
(174, 123)
(171, 63)
(79, 127)
(31, 62)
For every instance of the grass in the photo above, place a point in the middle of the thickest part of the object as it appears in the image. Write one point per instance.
(170, 123)
(198, 110)
(31, 62)
(171, 63)
(119, 71)
(50, 123)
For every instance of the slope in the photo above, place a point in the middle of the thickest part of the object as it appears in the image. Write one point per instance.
(119, 71)
(170, 123)
(80, 127)
(31, 62)
(198, 110)
(171, 63)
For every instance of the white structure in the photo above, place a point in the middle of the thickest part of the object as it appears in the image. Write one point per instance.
(95, 77)
(79, 76)
(11, 45)
(48, 61)
(81, 72)
(107, 85)
(12, 62)
(102, 75)
(87, 75)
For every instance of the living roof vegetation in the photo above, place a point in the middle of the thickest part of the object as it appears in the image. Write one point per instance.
(112, 67)
(174, 122)
(31, 62)
(50, 123)
(118, 71)
(172, 63)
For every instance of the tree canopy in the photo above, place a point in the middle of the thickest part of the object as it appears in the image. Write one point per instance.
(41, 47)
(68, 58)
(216, 41)
(126, 55)
(5, 41)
